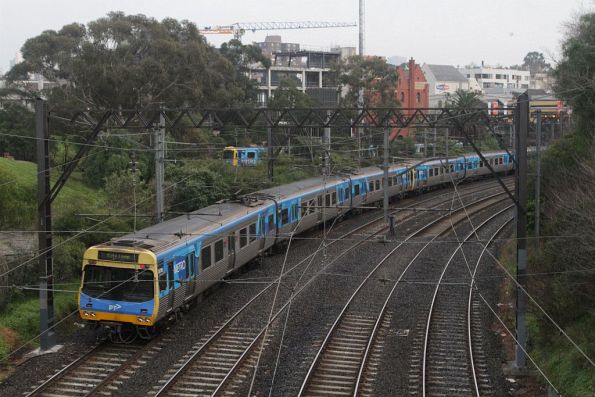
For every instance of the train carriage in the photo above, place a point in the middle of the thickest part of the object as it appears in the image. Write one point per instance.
(134, 282)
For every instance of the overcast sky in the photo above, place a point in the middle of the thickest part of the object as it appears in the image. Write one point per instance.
(454, 32)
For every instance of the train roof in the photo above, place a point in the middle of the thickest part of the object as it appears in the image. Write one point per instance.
(161, 236)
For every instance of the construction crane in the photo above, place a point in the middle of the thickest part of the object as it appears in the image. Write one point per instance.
(238, 28)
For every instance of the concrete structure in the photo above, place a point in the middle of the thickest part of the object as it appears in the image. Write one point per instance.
(443, 80)
(542, 81)
(507, 79)
(273, 44)
(412, 91)
(345, 52)
(308, 69)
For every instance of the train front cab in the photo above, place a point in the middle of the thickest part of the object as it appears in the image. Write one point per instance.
(230, 155)
(118, 287)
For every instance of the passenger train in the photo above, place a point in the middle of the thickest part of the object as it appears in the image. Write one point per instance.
(243, 156)
(132, 283)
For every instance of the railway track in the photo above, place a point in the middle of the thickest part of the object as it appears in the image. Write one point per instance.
(339, 367)
(99, 371)
(206, 372)
(449, 366)
(102, 369)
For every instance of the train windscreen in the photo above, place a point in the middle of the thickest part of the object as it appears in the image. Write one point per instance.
(119, 284)
(228, 154)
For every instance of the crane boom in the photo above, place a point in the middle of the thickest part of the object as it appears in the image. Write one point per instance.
(239, 28)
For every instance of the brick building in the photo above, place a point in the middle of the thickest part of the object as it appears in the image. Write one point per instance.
(412, 92)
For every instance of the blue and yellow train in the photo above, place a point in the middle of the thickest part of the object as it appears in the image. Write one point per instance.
(130, 284)
(243, 156)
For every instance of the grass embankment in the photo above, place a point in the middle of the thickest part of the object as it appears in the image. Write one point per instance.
(19, 321)
(562, 363)
(19, 310)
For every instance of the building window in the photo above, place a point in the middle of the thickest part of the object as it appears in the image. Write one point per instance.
(418, 97)
(402, 96)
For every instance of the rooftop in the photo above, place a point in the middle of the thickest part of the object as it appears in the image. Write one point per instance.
(446, 73)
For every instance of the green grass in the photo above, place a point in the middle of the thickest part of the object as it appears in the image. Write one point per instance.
(21, 183)
(19, 321)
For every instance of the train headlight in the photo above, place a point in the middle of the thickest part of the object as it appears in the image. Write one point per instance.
(86, 314)
(92, 314)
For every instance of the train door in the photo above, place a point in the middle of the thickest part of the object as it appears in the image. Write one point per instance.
(270, 228)
(231, 250)
(411, 179)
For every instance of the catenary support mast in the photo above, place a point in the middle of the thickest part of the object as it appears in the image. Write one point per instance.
(46, 280)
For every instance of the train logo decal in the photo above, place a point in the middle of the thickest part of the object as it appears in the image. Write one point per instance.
(113, 308)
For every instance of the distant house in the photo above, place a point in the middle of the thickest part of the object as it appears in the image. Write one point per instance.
(442, 81)
(412, 92)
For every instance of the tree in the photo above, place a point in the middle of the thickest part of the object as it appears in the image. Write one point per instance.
(535, 62)
(129, 61)
(16, 120)
(241, 57)
(464, 100)
(575, 72)
(373, 75)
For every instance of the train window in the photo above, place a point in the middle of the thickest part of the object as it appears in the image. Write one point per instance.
(390, 181)
(294, 212)
(218, 251)
(346, 193)
(377, 184)
(252, 232)
(205, 257)
(284, 216)
(162, 277)
(431, 172)
(436, 171)
(371, 186)
(356, 190)
(452, 168)
(320, 203)
(334, 198)
(243, 238)
(170, 274)
(304, 209)
(251, 155)
(271, 223)
(312, 205)
(327, 200)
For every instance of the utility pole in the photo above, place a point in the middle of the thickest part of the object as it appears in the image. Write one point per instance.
(326, 142)
(538, 179)
(44, 225)
(360, 96)
(159, 167)
(521, 129)
(446, 148)
(425, 143)
(434, 144)
(270, 159)
(361, 28)
(385, 179)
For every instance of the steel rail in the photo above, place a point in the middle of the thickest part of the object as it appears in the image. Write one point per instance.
(438, 284)
(471, 289)
(184, 367)
(373, 337)
(346, 306)
(58, 375)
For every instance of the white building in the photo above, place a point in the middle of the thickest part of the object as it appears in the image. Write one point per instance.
(443, 80)
(507, 79)
(309, 70)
